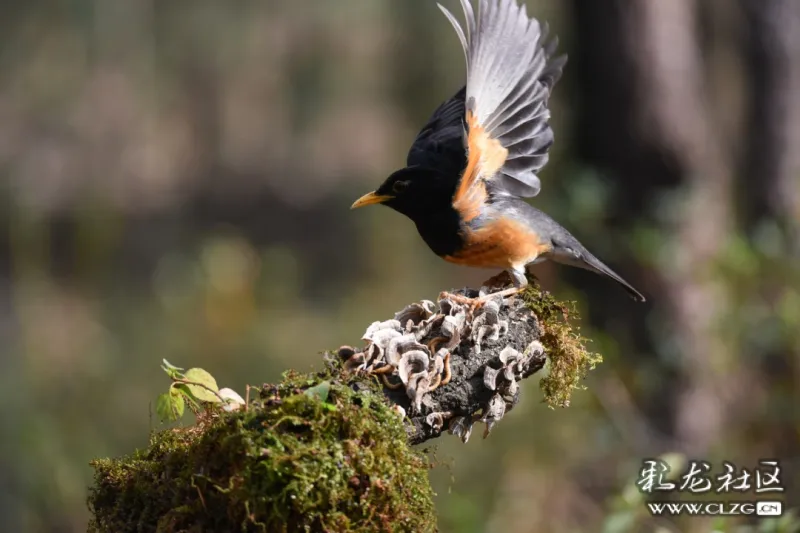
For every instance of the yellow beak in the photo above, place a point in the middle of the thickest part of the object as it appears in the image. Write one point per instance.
(369, 199)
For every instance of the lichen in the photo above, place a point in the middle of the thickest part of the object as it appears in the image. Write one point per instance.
(291, 462)
(569, 360)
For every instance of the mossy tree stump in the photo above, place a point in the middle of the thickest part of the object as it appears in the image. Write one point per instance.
(332, 451)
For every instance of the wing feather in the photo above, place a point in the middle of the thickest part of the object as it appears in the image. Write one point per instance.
(441, 142)
(510, 74)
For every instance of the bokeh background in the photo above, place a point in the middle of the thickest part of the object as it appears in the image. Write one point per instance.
(175, 179)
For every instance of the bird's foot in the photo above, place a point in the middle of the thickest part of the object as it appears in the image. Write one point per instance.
(456, 298)
(492, 288)
(503, 294)
(475, 302)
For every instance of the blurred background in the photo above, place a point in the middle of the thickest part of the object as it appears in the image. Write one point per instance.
(175, 179)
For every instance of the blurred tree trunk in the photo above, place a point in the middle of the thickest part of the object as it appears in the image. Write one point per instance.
(645, 119)
(771, 177)
(772, 168)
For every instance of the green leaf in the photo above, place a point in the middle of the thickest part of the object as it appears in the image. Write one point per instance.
(178, 405)
(320, 391)
(185, 393)
(164, 406)
(170, 406)
(201, 377)
(172, 371)
(170, 366)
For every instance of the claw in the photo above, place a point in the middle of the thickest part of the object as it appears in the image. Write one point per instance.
(502, 294)
(475, 303)
(457, 298)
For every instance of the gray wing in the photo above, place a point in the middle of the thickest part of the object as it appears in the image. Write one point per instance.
(510, 73)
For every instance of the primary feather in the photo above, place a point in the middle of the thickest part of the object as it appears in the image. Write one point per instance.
(510, 73)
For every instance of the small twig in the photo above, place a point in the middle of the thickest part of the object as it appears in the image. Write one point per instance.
(200, 494)
(289, 418)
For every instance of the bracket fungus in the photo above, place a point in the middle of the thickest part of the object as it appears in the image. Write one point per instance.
(447, 365)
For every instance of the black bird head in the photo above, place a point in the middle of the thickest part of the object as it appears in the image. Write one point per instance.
(412, 191)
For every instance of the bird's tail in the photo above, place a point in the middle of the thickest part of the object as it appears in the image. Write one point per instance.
(594, 264)
(576, 255)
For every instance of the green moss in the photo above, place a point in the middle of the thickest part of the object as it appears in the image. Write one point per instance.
(293, 462)
(569, 361)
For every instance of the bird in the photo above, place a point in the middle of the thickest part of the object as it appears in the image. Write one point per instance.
(478, 157)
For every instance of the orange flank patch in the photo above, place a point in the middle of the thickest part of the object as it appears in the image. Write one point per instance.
(502, 243)
(485, 157)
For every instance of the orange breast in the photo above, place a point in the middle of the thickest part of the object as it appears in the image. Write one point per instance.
(502, 243)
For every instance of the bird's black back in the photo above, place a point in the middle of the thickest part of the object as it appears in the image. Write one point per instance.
(440, 143)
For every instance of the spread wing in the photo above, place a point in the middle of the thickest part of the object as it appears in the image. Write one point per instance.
(510, 73)
(441, 143)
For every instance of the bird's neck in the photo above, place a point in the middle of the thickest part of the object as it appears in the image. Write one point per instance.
(441, 231)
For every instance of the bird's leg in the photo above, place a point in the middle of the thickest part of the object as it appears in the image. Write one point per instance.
(503, 279)
(517, 278)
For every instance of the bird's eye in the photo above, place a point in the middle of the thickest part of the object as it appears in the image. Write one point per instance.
(399, 186)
